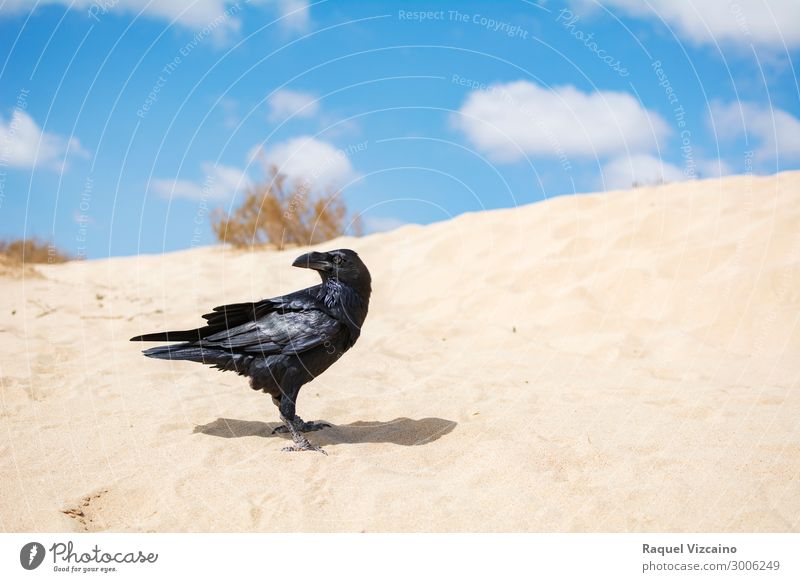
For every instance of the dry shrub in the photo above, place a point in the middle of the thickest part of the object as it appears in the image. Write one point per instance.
(32, 250)
(273, 214)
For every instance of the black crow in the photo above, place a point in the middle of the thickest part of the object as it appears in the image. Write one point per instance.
(284, 342)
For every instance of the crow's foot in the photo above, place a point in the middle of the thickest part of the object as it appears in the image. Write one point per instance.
(294, 427)
(305, 447)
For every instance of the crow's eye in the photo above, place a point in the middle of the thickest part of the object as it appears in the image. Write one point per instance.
(337, 260)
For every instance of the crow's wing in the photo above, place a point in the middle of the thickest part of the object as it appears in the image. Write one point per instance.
(278, 332)
(288, 324)
(229, 316)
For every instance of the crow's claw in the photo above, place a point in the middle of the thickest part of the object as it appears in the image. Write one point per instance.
(306, 447)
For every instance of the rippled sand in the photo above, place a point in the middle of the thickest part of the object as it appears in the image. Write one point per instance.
(616, 362)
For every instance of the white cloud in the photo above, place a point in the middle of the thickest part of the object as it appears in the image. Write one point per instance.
(509, 120)
(167, 188)
(768, 23)
(776, 131)
(223, 15)
(307, 159)
(333, 126)
(643, 169)
(714, 168)
(220, 183)
(229, 109)
(296, 14)
(285, 103)
(640, 169)
(226, 179)
(23, 144)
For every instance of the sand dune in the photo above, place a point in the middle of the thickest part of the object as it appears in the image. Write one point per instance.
(625, 361)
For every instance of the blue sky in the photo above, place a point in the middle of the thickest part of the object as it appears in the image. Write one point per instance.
(123, 122)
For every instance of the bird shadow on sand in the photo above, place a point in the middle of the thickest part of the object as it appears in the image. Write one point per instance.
(400, 431)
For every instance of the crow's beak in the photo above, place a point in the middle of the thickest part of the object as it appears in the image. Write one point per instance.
(313, 260)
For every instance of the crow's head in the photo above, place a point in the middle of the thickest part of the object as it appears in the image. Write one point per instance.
(343, 265)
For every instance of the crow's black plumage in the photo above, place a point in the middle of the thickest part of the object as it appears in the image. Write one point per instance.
(283, 342)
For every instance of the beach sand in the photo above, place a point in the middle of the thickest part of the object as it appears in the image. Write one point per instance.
(626, 361)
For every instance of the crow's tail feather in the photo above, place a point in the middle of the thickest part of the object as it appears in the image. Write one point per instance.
(170, 336)
(179, 352)
(217, 358)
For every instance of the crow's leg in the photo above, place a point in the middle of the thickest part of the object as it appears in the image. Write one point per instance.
(302, 426)
(300, 442)
(294, 424)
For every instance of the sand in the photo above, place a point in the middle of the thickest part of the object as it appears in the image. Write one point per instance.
(626, 361)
